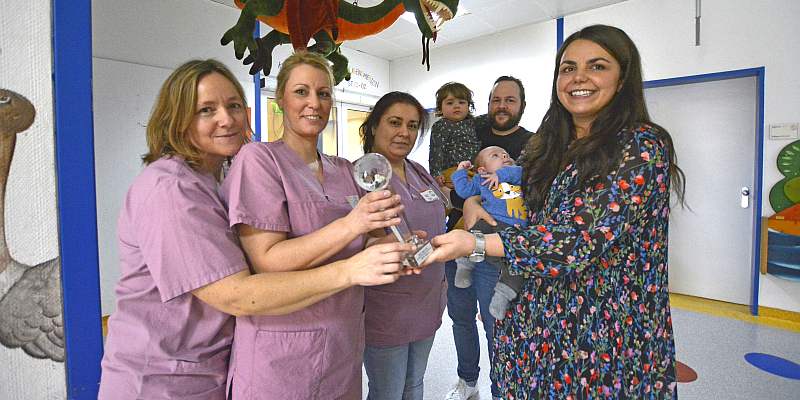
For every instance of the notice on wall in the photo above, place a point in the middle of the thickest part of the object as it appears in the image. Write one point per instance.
(783, 131)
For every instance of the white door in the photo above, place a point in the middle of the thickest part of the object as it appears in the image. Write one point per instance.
(713, 126)
(350, 118)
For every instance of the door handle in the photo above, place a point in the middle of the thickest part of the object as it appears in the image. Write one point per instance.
(745, 197)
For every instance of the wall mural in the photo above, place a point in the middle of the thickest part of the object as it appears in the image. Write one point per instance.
(32, 351)
(329, 23)
(31, 316)
(783, 240)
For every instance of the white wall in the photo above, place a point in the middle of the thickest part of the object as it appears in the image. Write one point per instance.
(477, 64)
(750, 34)
(526, 53)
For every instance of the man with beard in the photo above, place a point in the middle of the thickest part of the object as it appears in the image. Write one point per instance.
(506, 105)
(500, 128)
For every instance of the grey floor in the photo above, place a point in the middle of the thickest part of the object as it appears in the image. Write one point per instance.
(713, 346)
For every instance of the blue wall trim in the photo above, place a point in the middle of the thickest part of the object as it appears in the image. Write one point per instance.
(760, 179)
(77, 209)
(559, 33)
(716, 76)
(257, 97)
(758, 73)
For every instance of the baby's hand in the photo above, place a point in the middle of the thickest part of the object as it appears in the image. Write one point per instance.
(491, 179)
(465, 165)
(440, 180)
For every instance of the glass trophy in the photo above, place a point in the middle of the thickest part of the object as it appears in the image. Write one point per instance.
(373, 172)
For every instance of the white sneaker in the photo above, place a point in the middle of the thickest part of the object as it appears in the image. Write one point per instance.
(463, 392)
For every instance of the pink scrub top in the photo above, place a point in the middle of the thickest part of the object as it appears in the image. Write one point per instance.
(314, 353)
(174, 237)
(411, 308)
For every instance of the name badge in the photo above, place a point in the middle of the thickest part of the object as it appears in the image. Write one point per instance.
(429, 195)
(353, 200)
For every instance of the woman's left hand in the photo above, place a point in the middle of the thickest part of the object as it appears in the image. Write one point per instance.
(452, 245)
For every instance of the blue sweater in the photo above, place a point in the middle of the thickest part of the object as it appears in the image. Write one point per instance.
(505, 203)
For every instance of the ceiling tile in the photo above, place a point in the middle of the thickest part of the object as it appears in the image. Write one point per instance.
(512, 15)
(465, 27)
(377, 47)
(482, 5)
(561, 8)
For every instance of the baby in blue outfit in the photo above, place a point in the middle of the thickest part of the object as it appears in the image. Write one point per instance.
(501, 194)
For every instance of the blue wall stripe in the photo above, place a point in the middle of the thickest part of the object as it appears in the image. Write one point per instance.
(559, 33)
(716, 76)
(77, 209)
(257, 100)
(759, 74)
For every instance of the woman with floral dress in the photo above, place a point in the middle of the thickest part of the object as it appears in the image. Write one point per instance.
(593, 319)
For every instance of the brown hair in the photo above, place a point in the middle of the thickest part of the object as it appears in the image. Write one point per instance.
(174, 110)
(459, 91)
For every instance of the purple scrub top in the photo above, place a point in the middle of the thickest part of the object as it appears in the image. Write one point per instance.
(314, 353)
(411, 308)
(174, 237)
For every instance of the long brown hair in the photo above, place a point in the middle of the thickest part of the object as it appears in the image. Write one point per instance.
(174, 110)
(554, 145)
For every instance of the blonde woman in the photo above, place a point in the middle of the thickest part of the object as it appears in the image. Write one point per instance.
(297, 209)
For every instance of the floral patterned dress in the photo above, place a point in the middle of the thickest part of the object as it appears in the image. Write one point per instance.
(593, 319)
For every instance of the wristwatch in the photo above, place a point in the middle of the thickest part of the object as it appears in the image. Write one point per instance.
(480, 247)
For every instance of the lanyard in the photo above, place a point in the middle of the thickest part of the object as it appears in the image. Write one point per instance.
(431, 186)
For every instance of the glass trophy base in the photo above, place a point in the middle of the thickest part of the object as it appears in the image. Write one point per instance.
(415, 258)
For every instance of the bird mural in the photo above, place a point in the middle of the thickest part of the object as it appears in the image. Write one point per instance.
(31, 314)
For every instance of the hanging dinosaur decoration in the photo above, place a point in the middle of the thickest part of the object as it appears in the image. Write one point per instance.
(329, 23)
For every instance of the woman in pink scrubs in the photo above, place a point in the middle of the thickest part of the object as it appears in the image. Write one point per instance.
(183, 273)
(296, 209)
(402, 317)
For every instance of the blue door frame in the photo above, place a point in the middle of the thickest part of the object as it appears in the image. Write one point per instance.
(77, 207)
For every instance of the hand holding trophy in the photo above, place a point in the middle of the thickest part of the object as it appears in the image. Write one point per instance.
(374, 172)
